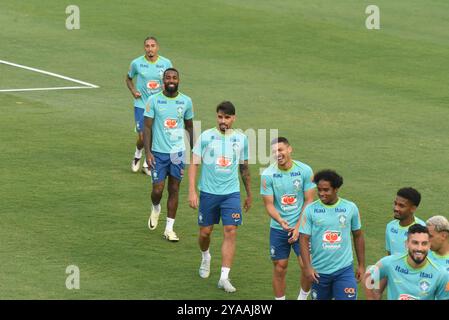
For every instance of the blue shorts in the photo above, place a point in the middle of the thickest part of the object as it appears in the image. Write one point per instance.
(340, 285)
(279, 246)
(139, 118)
(213, 206)
(171, 164)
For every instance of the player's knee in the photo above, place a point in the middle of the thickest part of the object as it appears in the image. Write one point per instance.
(158, 189)
(205, 233)
(230, 231)
(280, 268)
(173, 191)
(173, 188)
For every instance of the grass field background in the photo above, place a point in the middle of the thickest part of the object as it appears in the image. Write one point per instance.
(374, 105)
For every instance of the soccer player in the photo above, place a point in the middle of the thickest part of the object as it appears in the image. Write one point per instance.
(147, 70)
(439, 240)
(328, 223)
(222, 152)
(286, 188)
(410, 276)
(406, 202)
(168, 115)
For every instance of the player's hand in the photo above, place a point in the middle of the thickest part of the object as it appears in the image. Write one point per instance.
(285, 226)
(248, 203)
(150, 160)
(294, 236)
(193, 200)
(312, 275)
(137, 94)
(360, 273)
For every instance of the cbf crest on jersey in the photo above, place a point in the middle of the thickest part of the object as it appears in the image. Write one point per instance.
(342, 220)
(297, 184)
(180, 112)
(424, 286)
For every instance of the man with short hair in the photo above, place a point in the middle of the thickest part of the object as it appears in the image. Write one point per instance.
(405, 204)
(222, 152)
(328, 224)
(439, 240)
(410, 276)
(286, 188)
(147, 70)
(168, 115)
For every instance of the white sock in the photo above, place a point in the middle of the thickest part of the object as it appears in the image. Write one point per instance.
(206, 254)
(303, 295)
(279, 298)
(224, 273)
(170, 223)
(138, 153)
(145, 164)
(157, 208)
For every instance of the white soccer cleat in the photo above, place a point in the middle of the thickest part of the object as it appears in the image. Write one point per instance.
(135, 165)
(153, 220)
(205, 268)
(226, 285)
(146, 171)
(171, 236)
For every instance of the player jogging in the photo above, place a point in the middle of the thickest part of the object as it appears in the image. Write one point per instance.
(147, 70)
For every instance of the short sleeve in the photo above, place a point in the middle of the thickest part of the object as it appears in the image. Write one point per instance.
(132, 70)
(308, 176)
(188, 115)
(387, 240)
(197, 148)
(149, 108)
(382, 268)
(169, 64)
(244, 154)
(442, 292)
(305, 226)
(266, 186)
(356, 223)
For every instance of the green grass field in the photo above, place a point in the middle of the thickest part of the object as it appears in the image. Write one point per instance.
(374, 105)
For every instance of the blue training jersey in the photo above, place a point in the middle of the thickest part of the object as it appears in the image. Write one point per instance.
(221, 155)
(148, 77)
(396, 235)
(429, 282)
(287, 188)
(168, 121)
(442, 261)
(329, 228)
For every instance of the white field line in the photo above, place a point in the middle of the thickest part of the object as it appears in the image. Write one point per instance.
(44, 89)
(86, 84)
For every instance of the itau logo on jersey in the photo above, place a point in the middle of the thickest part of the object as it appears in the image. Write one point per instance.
(170, 123)
(153, 84)
(332, 239)
(289, 202)
(406, 296)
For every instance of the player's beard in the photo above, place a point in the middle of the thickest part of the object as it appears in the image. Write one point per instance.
(171, 89)
(223, 127)
(418, 261)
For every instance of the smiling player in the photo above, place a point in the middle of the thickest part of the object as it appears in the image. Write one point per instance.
(167, 114)
(410, 276)
(287, 188)
(328, 224)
